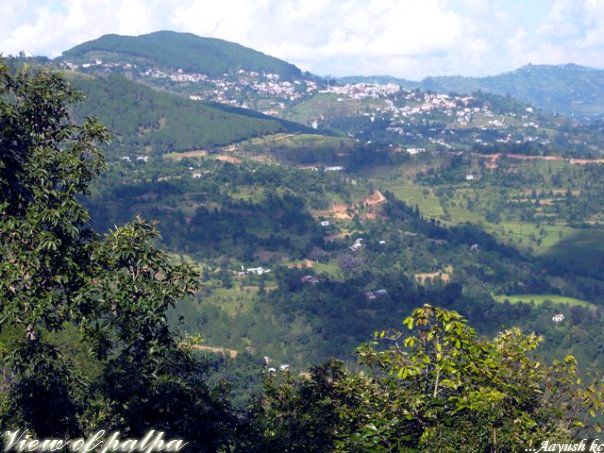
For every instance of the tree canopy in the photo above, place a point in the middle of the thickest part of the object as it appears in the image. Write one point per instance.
(110, 293)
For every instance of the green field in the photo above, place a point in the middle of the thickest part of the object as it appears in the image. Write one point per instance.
(538, 299)
(584, 248)
(296, 141)
(330, 105)
(414, 194)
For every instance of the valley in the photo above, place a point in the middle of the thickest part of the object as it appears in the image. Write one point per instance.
(203, 239)
(318, 211)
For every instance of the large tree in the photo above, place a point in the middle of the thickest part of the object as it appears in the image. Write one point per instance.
(439, 389)
(58, 278)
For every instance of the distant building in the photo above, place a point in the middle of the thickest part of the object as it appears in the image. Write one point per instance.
(324, 223)
(196, 175)
(370, 295)
(382, 242)
(257, 270)
(469, 177)
(310, 279)
(284, 367)
(357, 245)
(381, 292)
(336, 168)
(558, 318)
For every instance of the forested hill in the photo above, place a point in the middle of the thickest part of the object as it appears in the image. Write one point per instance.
(185, 51)
(567, 89)
(146, 120)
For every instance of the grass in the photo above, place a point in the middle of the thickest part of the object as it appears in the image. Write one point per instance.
(414, 194)
(544, 239)
(330, 105)
(524, 234)
(584, 248)
(538, 299)
(295, 141)
(330, 268)
(233, 300)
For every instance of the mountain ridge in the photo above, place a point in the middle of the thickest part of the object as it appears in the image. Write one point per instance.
(568, 88)
(186, 51)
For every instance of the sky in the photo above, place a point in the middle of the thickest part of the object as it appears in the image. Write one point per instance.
(404, 38)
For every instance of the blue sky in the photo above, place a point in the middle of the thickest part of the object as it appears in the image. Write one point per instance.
(405, 38)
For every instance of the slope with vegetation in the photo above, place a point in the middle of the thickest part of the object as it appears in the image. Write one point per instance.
(568, 89)
(147, 121)
(184, 51)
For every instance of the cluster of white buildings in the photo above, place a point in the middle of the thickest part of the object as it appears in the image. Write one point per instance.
(404, 109)
(229, 88)
(364, 90)
(178, 77)
(98, 64)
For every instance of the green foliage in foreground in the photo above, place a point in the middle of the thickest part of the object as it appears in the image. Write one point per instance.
(56, 275)
(441, 389)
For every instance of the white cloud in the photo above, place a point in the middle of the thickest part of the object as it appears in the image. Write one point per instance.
(572, 31)
(408, 38)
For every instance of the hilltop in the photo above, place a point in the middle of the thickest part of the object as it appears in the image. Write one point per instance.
(186, 51)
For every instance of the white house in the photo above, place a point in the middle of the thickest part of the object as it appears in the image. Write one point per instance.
(469, 177)
(257, 270)
(357, 245)
(558, 318)
(324, 223)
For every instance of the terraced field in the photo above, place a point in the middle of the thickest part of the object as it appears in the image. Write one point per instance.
(539, 299)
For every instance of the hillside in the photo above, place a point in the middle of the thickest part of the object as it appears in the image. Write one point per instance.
(569, 89)
(390, 115)
(146, 120)
(323, 295)
(191, 53)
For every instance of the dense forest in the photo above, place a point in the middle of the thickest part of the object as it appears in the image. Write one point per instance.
(145, 121)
